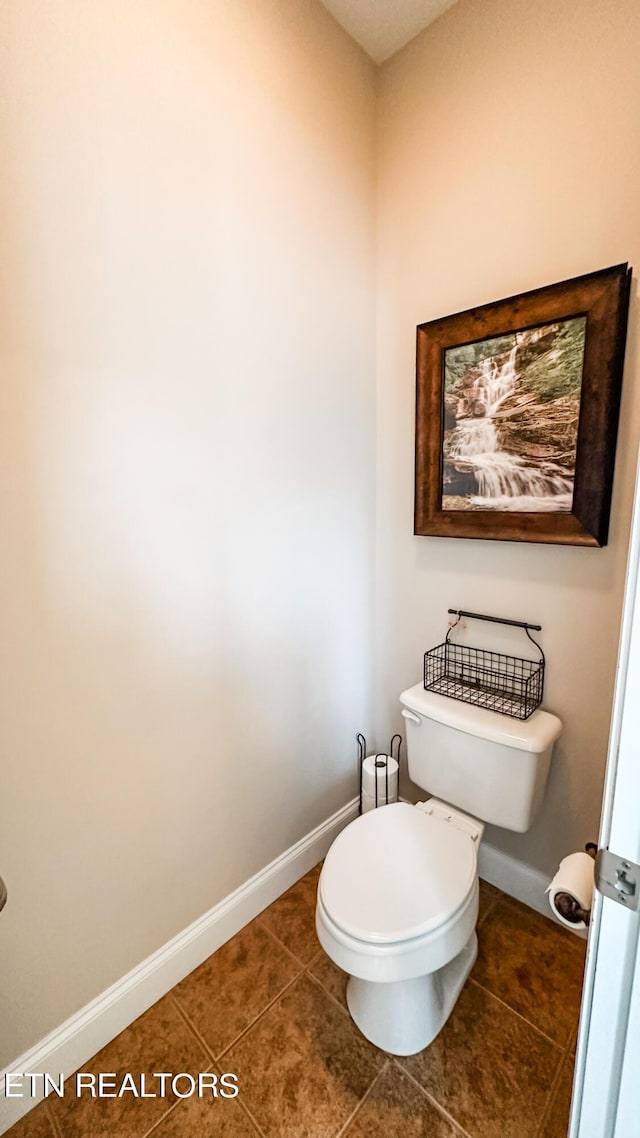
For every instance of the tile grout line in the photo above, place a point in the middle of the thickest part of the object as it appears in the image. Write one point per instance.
(487, 912)
(212, 1068)
(260, 917)
(175, 999)
(281, 943)
(573, 942)
(192, 1027)
(241, 1035)
(245, 1108)
(552, 1095)
(252, 1121)
(53, 1122)
(304, 972)
(430, 1098)
(330, 996)
(306, 967)
(212, 1058)
(345, 1125)
(547, 1038)
(216, 1056)
(163, 1119)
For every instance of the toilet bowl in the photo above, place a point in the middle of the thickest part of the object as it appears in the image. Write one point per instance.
(398, 892)
(397, 908)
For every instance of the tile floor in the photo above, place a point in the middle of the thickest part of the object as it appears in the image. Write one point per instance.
(270, 1007)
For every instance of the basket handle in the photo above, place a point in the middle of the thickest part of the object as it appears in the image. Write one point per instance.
(498, 620)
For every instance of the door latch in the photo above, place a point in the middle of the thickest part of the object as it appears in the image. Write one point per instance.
(618, 878)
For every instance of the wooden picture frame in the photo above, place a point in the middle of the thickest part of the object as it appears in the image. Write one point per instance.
(519, 400)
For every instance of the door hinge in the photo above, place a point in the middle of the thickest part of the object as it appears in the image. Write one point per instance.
(618, 878)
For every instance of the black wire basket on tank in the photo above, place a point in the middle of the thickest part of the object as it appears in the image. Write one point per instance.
(510, 685)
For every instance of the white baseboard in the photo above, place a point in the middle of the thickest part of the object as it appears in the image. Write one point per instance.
(90, 1029)
(520, 881)
(515, 878)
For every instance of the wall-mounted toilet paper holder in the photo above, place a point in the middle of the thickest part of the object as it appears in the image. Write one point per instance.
(571, 890)
(384, 789)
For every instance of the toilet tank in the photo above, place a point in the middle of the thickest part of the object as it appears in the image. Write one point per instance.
(488, 765)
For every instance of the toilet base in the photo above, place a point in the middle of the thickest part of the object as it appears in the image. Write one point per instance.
(404, 1016)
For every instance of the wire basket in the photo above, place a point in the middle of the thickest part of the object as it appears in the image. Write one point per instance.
(510, 685)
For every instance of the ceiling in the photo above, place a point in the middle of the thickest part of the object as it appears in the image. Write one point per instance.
(382, 27)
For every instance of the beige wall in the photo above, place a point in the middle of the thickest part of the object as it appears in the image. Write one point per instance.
(509, 157)
(187, 420)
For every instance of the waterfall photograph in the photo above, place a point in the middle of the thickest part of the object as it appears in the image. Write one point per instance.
(517, 407)
(511, 409)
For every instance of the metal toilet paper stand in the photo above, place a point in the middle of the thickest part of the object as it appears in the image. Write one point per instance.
(381, 760)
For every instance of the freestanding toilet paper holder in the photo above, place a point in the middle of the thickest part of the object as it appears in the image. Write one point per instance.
(381, 760)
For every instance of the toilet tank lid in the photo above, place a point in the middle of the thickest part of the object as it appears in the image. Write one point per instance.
(536, 733)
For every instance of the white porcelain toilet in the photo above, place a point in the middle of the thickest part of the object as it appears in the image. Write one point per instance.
(398, 892)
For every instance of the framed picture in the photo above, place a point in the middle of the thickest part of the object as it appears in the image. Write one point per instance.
(517, 414)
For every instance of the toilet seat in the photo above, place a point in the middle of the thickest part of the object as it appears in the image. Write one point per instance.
(403, 959)
(397, 874)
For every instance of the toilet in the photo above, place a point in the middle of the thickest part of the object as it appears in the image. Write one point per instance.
(397, 900)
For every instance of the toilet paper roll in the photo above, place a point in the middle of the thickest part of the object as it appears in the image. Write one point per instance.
(375, 768)
(571, 891)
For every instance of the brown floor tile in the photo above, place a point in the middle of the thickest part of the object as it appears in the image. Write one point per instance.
(524, 961)
(304, 1067)
(35, 1124)
(397, 1109)
(292, 918)
(489, 1069)
(557, 1122)
(332, 978)
(305, 1071)
(206, 1118)
(234, 986)
(157, 1041)
(578, 943)
(491, 888)
(489, 895)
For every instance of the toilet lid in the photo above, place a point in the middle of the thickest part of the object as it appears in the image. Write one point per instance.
(396, 873)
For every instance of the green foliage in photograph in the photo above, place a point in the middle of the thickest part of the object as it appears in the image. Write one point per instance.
(548, 361)
(551, 366)
(459, 361)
